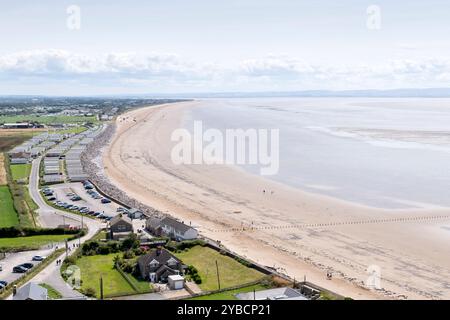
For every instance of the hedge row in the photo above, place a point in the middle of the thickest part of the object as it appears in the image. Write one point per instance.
(14, 232)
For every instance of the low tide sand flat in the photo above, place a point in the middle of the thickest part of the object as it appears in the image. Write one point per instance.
(412, 255)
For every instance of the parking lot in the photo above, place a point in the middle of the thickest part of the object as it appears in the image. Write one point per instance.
(76, 197)
(14, 259)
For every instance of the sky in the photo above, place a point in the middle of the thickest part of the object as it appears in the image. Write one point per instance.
(58, 47)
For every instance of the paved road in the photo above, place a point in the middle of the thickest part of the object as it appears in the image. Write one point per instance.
(14, 259)
(51, 217)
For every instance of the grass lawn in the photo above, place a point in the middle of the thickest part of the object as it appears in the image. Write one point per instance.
(52, 292)
(100, 236)
(229, 295)
(232, 273)
(94, 267)
(20, 171)
(32, 242)
(8, 215)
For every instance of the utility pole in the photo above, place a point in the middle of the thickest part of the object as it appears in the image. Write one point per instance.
(218, 277)
(101, 288)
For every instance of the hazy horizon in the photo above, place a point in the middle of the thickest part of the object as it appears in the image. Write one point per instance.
(134, 47)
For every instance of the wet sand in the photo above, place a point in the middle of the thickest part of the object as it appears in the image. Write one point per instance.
(412, 256)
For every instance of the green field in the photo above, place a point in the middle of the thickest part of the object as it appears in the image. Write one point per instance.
(47, 119)
(231, 272)
(77, 129)
(32, 242)
(94, 267)
(8, 215)
(20, 171)
(230, 295)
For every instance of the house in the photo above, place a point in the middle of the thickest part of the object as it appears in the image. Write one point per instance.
(176, 282)
(135, 213)
(120, 226)
(284, 293)
(31, 291)
(177, 230)
(153, 224)
(158, 264)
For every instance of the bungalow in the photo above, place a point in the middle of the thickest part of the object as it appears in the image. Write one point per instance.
(158, 264)
(31, 291)
(172, 228)
(177, 230)
(120, 226)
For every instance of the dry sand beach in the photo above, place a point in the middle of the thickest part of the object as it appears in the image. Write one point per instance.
(413, 256)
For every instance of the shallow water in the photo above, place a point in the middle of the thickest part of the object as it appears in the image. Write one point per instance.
(390, 153)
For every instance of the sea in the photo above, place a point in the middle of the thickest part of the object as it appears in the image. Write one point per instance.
(389, 153)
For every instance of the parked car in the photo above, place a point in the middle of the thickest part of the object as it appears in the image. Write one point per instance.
(3, 284)
(27, 265)
(105, 200)
(89, 187)
(51, 198)
(74, 208)
(38, 258)
(75, 198)
(91, 212)
(19, 269)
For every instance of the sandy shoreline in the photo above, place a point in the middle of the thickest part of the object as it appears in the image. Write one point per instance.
(413, 257)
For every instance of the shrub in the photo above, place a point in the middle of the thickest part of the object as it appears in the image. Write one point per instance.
(131, 242)
(103, 250)
(128, 254)
(89, 292)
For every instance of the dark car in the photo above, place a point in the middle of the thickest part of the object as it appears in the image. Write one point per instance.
(105, 200)
(75, 198)
(89, 187)
(3, 283)
(19, 269)
(27, 265)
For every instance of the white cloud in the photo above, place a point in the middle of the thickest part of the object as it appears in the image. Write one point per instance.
(170, 72)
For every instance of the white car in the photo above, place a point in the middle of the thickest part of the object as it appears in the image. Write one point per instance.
(38, 258)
